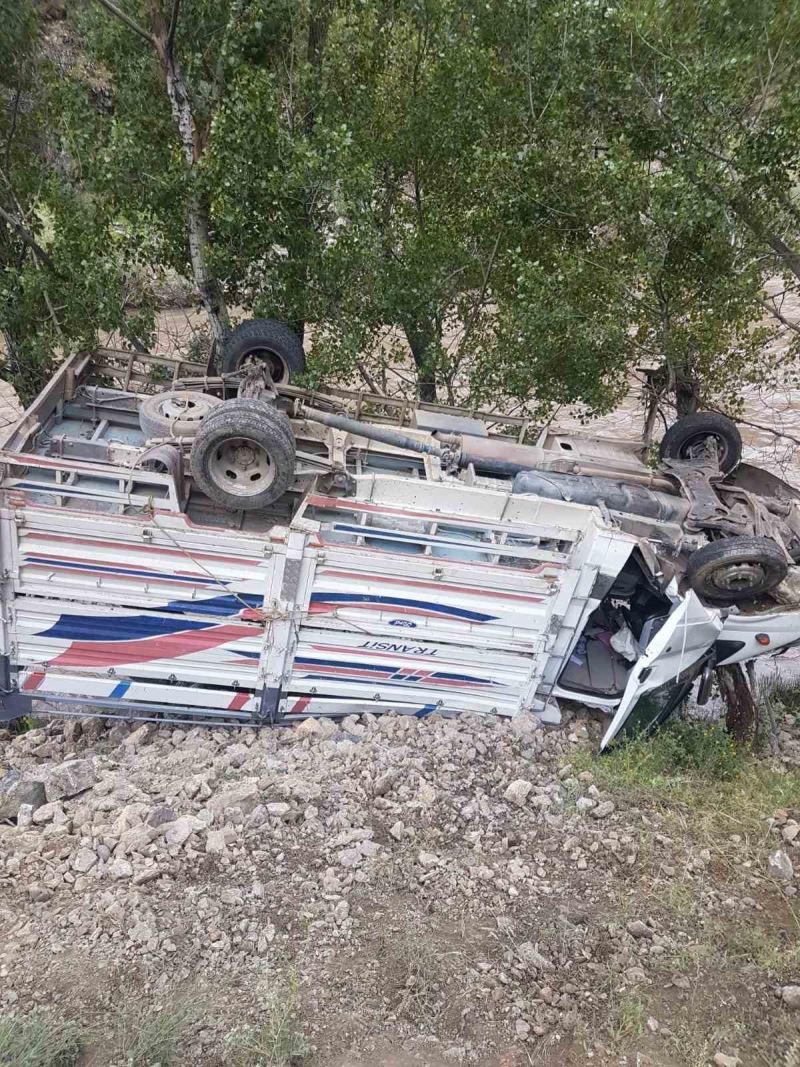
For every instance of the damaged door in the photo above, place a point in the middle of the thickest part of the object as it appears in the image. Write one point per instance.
(663, 675)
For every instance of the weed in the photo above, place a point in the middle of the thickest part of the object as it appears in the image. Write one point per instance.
(780, 696)
(142, 1034)
(687, 959)
(23, 724)
(679, 898)
(747, 942)
(278, 1042)
(683, 747)
(414, 967)
(691, 1046)
(38, 1040)
(626, 1019)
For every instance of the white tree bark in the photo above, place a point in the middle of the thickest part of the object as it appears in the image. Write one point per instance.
(196, 214)
(162, 39)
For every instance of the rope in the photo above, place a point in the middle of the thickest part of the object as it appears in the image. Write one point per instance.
(263, 616)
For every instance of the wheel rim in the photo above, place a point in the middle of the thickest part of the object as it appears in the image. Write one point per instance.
(694, 447)
(278, 370)
(741, 577)
(242, 467)
(185, 408)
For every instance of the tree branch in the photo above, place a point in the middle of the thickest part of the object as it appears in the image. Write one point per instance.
(29, 240)
(132, 24)
(173, 25)
(13, 127)
(780, 317)
(766, 429)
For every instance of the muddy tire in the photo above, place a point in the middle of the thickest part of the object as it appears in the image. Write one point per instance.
(686, 438)
(242, 458)
(736, 568)
(246, 403)
(177, 413)
(269, 341)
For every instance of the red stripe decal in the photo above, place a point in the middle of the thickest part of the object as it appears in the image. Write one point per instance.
(145, 551)
(33, 681)
(144, 650)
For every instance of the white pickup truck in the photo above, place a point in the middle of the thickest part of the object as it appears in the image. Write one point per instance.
(190, 548)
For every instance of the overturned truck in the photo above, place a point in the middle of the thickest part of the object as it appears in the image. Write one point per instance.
(231, 548)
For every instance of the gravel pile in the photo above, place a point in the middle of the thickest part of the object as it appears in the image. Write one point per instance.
(454, 883)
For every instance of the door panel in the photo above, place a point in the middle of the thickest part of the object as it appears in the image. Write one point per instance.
(672, 659)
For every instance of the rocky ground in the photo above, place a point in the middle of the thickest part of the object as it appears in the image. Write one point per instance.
(389, 891)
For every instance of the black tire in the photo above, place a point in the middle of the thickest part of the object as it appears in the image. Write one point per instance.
(243, 458)
(269, 340)
(176, 413)
(736, 568)
(255, 404)
(688, 433)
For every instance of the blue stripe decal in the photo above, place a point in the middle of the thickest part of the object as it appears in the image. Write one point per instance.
(391, 601)
(133, 627)
(217, 605)
(119, 690)
(403, 672)
(124, 571)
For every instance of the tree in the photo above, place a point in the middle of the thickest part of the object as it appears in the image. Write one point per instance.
(192, 99)
(703, 96)
(528, 199)
(60, 269)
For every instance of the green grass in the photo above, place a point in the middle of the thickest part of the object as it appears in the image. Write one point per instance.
(680, 899)
(23, 724)
(736, 944)
(143, 1034)
(750, 943)
(38, 1040)
(681, 748)
(694, 769)
(138, 1035)
(278, 1041)
(627, 1018)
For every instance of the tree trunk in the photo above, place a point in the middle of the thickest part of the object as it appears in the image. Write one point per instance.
(210, 289)
(656, 383)
(686, 394)
(318, 23)
(740, 718)
(422, 339)
(743, 210)
(197, 214)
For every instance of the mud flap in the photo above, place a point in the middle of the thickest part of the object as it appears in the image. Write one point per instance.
(269, 708)
(13, 704)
